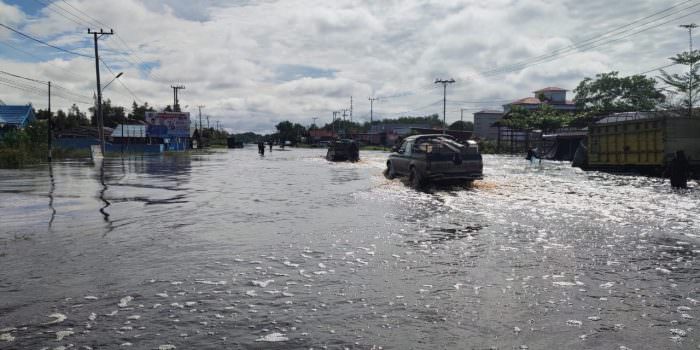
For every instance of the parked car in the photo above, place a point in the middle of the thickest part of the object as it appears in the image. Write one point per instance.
(435, 158)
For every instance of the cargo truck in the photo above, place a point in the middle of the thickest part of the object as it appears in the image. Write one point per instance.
(643, 141)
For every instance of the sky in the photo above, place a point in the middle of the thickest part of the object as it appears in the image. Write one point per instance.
(252, 64)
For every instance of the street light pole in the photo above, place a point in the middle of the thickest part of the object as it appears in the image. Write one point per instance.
(690, 28)
(444, 101)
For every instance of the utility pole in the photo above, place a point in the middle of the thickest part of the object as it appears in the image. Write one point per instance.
(314, 123)
(200, 118)
(444, 101)
(208, 122)
(371, 110)
(50, 122)
(176, 102)
(351, 109)
(461, 114)
(690, 28)
(100, 121)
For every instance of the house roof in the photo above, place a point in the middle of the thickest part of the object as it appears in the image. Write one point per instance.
(527, 101)
(15, 115)
(489, 111)
(129, 130)
(551, 89)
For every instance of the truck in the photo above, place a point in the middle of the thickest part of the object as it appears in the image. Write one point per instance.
(643, 141)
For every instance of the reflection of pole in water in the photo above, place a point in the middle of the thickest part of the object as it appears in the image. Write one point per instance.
(105, 215)
(52, 188)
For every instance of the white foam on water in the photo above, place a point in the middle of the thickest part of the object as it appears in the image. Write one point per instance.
(262, 284)
(58, 318)
(564, 283)
(320, 272)
(607, 285)
(126, 344)
(112, 313)
(7, 337)
(574, 323)
(678, 332)
(321, 265)
(90, 297)
(190, 303)
(214, 283)
(124, 302)
(593, 318)
(290, 264)
(162, 295)
(62, 334)
(134, 317)
(251, 293)
(692, 301)
(686, 316)
(167, 347)
(273, 337)
(92, 317)
(287, 294)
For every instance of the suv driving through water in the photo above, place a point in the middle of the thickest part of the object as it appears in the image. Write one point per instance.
(435, 158)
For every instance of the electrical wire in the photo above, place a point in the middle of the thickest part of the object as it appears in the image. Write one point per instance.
(43, 42)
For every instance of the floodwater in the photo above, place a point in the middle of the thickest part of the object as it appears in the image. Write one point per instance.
(232, 251)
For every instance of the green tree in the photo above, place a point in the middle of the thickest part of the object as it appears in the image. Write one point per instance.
(688, 83)
(112, 115)
(288, 131)
(609, 92)
(139, 112)
(462, 126)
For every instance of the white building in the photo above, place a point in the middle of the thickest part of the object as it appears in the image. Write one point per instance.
(483, 124)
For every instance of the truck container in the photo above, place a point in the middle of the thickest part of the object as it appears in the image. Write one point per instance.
(643, 141)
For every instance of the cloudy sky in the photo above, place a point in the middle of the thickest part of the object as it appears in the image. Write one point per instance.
(255, 63)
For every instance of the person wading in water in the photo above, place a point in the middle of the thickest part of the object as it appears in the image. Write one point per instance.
(261, 148)
(678, 170)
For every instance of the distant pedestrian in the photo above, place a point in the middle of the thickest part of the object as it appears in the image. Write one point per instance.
(533, 156)
(678, 170)
(271, 146)
(261, 148)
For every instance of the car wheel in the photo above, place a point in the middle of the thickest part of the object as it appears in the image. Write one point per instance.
(416, 180)
(390, 172)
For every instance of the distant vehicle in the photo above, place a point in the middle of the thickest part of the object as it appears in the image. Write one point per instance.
(343, 150)
(435, 158)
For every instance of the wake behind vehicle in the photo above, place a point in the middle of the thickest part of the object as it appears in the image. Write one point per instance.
(435, 158)
(343, 150)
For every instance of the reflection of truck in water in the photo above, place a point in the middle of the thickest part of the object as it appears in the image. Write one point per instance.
(435, 158)
(343, 150)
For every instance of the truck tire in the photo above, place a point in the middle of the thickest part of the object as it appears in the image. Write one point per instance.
(390, 173)
(416, 179)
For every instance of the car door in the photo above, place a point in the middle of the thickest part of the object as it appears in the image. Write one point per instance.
(403, 157)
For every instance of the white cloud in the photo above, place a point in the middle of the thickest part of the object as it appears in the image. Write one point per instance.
(229, 54)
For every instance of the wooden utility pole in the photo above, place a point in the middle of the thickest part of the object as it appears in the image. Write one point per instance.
(100, 121)
(176, 101)
(371, 110)
(50, 126)
(444, 101)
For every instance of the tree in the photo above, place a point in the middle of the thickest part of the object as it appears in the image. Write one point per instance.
(112, 115)
(688, 83)
(462, 126)
(610, 93)
(290, 132)
(139, 112)
(546, 118)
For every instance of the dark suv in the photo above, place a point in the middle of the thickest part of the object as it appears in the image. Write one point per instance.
(435, 158)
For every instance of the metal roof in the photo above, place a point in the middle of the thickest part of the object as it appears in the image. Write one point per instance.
(16, 115)
(551, 89)
(129, 130)
(626, 116)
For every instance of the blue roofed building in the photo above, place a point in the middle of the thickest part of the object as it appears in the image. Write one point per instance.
(16, 117)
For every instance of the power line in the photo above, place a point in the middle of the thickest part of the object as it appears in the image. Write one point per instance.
(43, 42)
(590, 43)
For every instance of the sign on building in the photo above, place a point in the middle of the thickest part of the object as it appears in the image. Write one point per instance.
(168, 124)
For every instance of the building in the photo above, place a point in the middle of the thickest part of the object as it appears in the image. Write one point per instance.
(484, 121)
(13, 117)
(552, 96)
(389, 134)
(318, 135)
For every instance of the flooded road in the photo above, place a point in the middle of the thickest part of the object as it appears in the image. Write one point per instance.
(232, 251)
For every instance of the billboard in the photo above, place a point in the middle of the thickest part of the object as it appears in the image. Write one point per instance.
(168, 124)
